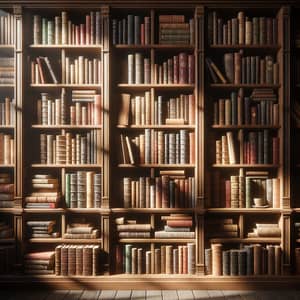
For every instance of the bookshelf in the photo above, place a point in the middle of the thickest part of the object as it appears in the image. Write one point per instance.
(159, 140)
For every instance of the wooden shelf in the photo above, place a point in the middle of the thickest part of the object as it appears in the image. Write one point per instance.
(7, 166)
(38, 126)
(68, 46)
(165, 127)
(171, 166)
(246, 86)
(264, 240)
(44, 210)
(253, 166)
(156, 241)
(2, 85)
(7, 127)
(81, 166)
(243, 46)
(157, 86)
(155, 46)
(7, 46)
(88, 210)
(62, 240)
(254, 127)
(152, 210)
(244, 210)
(7, 240)
(10, 210)
(61, 85)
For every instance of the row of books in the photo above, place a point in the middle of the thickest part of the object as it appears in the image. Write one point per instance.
(173, 29)
(42, 71)
(7, 70)
(83, 189)
(77, 260)
(7, 258)
(158, 147)
(85, 111)
(7, 142)
(242, 30)
(159, 192)
(131, 30)
(39, 262)
(6, 230)
(45, 192)
(179, 69)
(147, 110)
(7, 111)
(61, 30)
(240, 110)
(251, 260)
(243, 190)
(245, 70)
(82, 70)
(42, 229)
(221, 228)
(6, 191)
(255, 147)
(7, 29)
(265, 230)
(81, 230)
(70, 149)
(168, 259)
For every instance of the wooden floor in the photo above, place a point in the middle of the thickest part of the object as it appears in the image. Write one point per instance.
(149, 295)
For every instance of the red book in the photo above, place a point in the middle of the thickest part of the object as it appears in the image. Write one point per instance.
(183, 66)
(175, 69)
(186, 193)
(181, 193)
(39, 62)
(275, 150)
(227, 193)
(165, 191)
(237, 67)
(170, 70)
(180, 223)
(184, 259)
(191, 69)
(158, 188)
(82, 34)
(7, 188)
(87, 29)
(253, 147)
(142, 34)
(176, 201)
(119, 259)
(253, 115)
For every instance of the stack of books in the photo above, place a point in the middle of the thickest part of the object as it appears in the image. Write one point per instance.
(45, 192)
(7, 70)
(39, 262)
(42, 229)
(81, 231)
(265, 230)
(7, 111)
(6, 191)
(177, 226)
(132, 229)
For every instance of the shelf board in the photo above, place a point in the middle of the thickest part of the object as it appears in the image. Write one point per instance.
(7, 165)
(231, 127)
(185, 126)
(244, 46)
(171, 166)
(87, 210)
(156, 86)
(250, 86)
(44, 210)
(250, 166)
(156, 46)
(153, 210)
(7, 127)
(7, 46)
(38, 126)
(7, 241)
(243, 210)
(68, 46)
(2, 85)
(62, 240)
(157, 241)
(245, 240)
(79, 166)
(62, 85)
(11, 210)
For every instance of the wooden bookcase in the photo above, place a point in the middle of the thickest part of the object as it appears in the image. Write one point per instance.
(114, 86)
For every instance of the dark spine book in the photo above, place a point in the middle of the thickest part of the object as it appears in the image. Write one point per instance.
(234, 31)
(234, 262)
(242, 262)
(215, 28)
(229, 66)
(237, 67)
(234, 108)
(248, 70)
(191, 69)
(243, 79)
(269, 31)
(210, 28)
(183, 65)
(253, 147)
(114, 31)
(147, 30)
(262, 30)
(130, 29)
(120, 32)
(216, 113)
(137, 30)
(240, 107)
(124, 32)
(252, 69)
(263, 108)
(220, 31)
(275, 150)
(275, 31)
(211, 72)
(247, 110)
(266, 146)
(226, 263)
(257, 70)
(260, 148)
(255, 31)
(249, 250)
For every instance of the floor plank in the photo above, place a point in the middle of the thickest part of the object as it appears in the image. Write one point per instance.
(57, 295)
(153, 295)
(123, 294)
(250, 296)
(201, 294)
(89, 295)
(169, 295)
(216, 294)
(107, 295)
(138, 295)
(232, 295)
(185, 295)
(73, 295)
